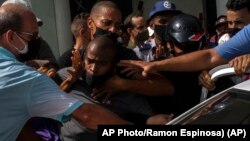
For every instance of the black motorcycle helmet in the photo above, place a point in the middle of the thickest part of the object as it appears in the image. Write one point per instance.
(186, 32)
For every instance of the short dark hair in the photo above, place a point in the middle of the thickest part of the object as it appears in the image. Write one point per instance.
(96, 9)
(79, 21)
(128, 21)
(10, 19)
(235, 5)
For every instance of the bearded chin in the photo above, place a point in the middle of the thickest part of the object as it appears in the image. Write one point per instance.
(94, 81)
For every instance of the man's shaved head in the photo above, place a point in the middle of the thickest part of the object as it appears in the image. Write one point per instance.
(98, 7)
(100, 60)
(12, 16)
(102, 43)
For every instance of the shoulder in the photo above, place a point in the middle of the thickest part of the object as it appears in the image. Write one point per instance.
(16, 69)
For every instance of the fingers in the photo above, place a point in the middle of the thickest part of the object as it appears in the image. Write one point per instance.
(205, 80)
(240, 64)
(43, 69)
(76, 59)
(131, 63)
(145, 73)
(71, 71)
(148, 67)
(237, 65)
(160, 52)
(246, 63)
(51, 73)
(129, 71)
(106, 99)
(98, 93)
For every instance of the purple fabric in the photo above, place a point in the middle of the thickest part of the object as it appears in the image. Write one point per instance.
(46, 128)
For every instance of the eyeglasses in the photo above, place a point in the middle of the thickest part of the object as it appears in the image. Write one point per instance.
(31, 35)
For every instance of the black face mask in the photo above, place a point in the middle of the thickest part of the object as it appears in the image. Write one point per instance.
(94, 81)
(100, 32)
(142, 36)
(33, 49)
(233, 31)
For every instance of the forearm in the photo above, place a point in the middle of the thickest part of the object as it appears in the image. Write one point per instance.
(92, 115)
(196, 61)
(154, 85)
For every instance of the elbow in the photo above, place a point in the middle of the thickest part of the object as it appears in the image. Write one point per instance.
(88, 115)
(85, 115)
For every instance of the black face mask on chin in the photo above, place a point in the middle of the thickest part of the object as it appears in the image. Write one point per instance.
(33, 49)
(94, 81)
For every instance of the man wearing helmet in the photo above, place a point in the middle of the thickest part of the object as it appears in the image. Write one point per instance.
(184, 34)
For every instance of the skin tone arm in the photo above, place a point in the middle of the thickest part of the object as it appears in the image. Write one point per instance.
(92, 115)
(88, 115)
(151, 85)
(196, 61)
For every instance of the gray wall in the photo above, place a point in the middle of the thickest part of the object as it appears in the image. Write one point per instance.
(55, 15)
(221, 7)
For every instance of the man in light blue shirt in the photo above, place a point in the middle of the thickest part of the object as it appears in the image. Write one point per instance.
(26, 93)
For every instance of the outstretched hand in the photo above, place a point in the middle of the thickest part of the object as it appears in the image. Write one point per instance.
(147, 67)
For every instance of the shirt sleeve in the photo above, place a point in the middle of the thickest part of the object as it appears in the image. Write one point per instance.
(47, 100)
(236, 46)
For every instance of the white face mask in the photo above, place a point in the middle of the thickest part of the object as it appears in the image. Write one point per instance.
(25, 49)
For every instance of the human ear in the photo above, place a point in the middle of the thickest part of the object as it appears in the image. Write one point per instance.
(9, 36)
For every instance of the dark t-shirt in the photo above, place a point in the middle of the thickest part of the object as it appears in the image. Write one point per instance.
(123, 104)
(187, 93)
(65, 59)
